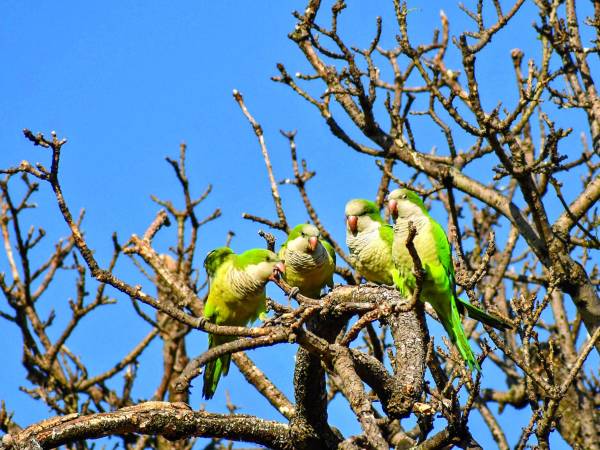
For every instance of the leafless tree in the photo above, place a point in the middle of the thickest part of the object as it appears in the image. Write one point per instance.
(347, 340)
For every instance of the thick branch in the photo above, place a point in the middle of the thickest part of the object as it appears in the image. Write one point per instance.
(171, 420)
(353, 390)
(260, 381)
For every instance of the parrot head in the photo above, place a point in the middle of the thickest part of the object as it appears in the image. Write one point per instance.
(260, 264)
(404, 203)
(361, 215)
(215, 258)
(304, 238)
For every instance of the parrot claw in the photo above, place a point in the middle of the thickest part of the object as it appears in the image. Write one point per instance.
(271, 322)
(371, 284)
(293, 292)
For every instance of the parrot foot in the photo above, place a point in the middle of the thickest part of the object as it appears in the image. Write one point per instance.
(271, 322)
(292, 294)
(371, 284)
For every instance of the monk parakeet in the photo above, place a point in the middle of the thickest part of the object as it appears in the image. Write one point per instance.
(369, 240)
(309, 260)
(236, 297)
(439, 287)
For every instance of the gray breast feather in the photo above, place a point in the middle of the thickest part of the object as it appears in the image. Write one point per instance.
(242, 283)
(305, 261)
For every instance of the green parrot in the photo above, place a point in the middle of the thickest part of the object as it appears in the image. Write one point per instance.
(369, 240)
(439, 287)
(236, 296)
(309, 260)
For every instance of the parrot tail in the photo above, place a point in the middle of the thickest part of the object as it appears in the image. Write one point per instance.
(480, 315)
(214, 369)
(453, 325)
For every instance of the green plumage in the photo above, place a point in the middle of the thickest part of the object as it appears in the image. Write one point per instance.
(236, 297)
(370, 243)
(309, 260)
(439, 287)
(464, 307)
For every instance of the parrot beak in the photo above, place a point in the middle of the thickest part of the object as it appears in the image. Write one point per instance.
(312, 243)
(393, 208)
(280, 267)
(352, 223)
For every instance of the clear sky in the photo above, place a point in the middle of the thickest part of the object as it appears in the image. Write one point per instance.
(126, 82)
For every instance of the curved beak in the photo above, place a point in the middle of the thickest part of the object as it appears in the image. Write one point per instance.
(312, 243)
(393, 208)
(279, 267)
(352, 223)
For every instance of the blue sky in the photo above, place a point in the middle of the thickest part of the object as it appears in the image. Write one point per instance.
(126, 82)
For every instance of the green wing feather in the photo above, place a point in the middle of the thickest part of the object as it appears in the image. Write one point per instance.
(445, 255)
(331, 252)
(451, 318)
(281, 252)
(329, 249)
(480, 315)
(216, 368)
(453, 326)
(212, 262)
(443, 249)
(386, 233)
